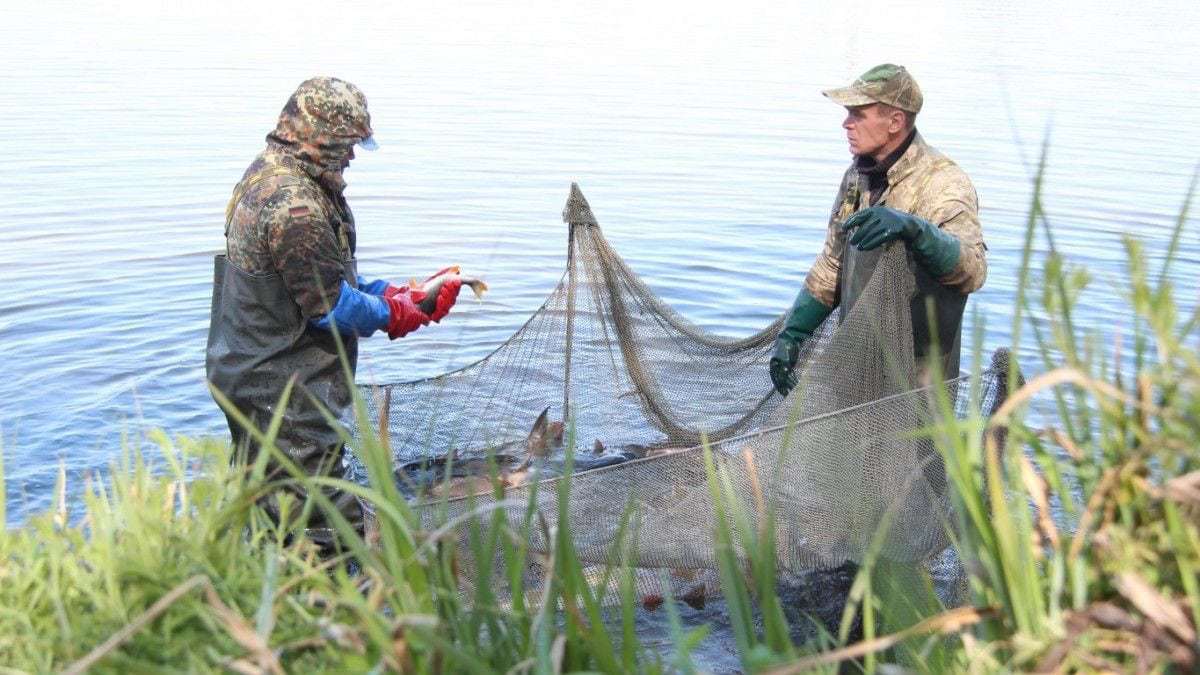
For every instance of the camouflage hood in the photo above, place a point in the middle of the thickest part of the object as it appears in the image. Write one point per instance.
(320, 124)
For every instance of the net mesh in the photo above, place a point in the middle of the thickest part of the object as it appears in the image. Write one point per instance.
(643, 386)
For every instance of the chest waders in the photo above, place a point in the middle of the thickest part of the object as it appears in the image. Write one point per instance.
(258, 340)
(947, 304)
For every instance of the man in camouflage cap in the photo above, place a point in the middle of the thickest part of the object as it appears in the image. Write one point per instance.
(289, 278)
(897, 188)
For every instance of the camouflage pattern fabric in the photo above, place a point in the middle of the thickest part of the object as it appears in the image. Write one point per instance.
(885, 83)
(925, 183)
(320, 123)
(288, 215)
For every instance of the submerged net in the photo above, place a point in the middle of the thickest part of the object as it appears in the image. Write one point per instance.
(643, 386)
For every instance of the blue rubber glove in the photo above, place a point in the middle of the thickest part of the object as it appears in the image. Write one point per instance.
(356, 313)
(935, 249)
(376, 287)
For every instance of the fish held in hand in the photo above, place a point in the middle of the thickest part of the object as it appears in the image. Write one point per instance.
(425, 293)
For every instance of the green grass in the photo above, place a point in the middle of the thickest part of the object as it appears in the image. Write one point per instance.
(160, 572)
(1114, 585)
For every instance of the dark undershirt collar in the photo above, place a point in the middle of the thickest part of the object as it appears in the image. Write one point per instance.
(876, 172)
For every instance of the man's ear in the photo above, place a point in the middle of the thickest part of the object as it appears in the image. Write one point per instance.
(898, 119)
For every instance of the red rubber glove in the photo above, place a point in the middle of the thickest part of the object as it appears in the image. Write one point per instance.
(404, 316)
(446, 297)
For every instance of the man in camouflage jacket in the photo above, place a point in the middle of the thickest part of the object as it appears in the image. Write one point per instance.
(289, 280)
(897, 188)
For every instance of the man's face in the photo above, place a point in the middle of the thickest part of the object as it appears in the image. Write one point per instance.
(868, 129)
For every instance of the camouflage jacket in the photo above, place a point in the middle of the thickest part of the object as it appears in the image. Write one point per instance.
(287, 223)
(288, 215)
(925, 183)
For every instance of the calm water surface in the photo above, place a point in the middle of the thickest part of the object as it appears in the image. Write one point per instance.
(697, 132)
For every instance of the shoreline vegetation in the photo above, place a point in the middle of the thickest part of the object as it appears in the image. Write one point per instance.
(1079, 536)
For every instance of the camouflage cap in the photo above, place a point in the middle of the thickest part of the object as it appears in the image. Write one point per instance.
(885, 83)
(329, 106)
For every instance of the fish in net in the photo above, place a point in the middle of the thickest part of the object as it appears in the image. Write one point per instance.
(835, 460)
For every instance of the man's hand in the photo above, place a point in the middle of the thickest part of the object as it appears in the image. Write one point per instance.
(879, 224)
(403, 315)
(935, 249)
(446, 297)
(782, 363)
(439, 306)
(802, 320)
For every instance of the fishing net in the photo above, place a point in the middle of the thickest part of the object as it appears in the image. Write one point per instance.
(644, 387)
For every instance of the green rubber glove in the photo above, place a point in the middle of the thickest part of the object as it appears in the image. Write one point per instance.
(802, 320)
(934, 249)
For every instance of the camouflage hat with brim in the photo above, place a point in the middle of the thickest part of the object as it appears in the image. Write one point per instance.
(885, 83)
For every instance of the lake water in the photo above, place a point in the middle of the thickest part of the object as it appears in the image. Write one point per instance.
(697, 132)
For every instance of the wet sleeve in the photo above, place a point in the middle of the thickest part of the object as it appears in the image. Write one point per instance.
(957, 213)
(305, 251)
